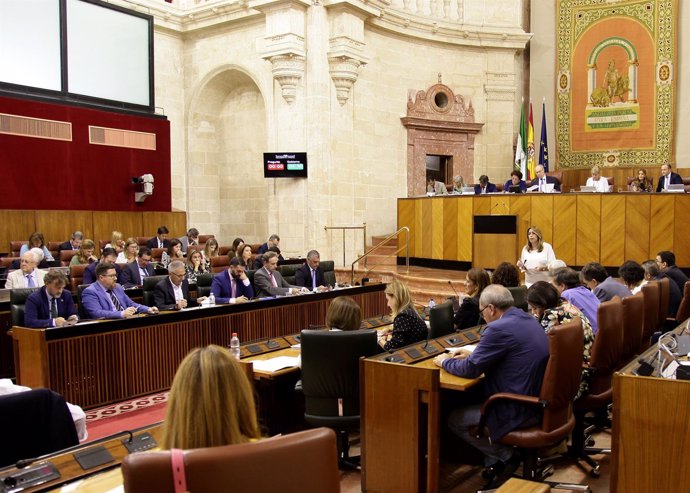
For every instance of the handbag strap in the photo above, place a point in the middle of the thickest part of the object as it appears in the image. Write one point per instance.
(179, 478)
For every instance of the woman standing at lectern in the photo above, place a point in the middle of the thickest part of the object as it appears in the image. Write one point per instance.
(535, 257)
(408, 325)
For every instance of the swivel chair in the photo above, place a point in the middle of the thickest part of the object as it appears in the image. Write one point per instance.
(148, 288)
(17, 303)
(203, 284)
(441, 320)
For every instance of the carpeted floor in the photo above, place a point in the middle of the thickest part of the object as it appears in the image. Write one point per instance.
(126, 415)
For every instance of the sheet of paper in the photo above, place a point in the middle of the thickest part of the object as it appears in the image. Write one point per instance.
(275, 364)
(469, 348)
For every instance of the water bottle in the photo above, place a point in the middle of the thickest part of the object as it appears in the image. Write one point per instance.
(211, 299)
(235, 346)
(432, 303)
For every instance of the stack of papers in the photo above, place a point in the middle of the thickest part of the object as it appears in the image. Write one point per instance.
(469, 348)
(275, 364)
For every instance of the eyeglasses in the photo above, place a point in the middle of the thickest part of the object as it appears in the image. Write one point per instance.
(481, 310)
(109, 275)
(176, 274)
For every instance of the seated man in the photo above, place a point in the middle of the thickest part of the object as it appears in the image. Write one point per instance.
(190, 239)
(512, 354)
(268, 281)
(436, 187)
(310, 274)
(134, 272)
(543, 179)
(172, 293)
(160, 240)
(485, 186)
(27, 276)
(273, 241)
(52, 305)
(73, 243)
(604, 287)
(232, 285)
(105, 298)
(652, 273)
(668, 177)
(667, 266)
(108, 256)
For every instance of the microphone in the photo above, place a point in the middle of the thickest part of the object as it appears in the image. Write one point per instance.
(456, 299)
(453, 288)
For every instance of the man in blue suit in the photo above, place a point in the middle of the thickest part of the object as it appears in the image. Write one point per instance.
(134, 272)
(105, 298)
(51, 305)
(485, 186)
(232, 285)
(668, 177)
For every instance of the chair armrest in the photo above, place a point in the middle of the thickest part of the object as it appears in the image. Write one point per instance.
(524, 399)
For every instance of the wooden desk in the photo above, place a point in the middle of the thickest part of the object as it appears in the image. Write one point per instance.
(515, 485)
(97, 364)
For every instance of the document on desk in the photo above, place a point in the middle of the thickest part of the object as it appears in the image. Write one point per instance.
(468, 347)
(275, 364)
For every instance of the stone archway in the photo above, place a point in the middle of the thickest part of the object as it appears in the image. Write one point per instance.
(438, 123)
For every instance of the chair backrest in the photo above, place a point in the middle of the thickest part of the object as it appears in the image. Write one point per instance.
(53, 247)
(204, 238)
(607, 349)
(330, 373)
(219, 263)
(441, 320)
(557, 175)
(15, 247)
(194, 248)
(102, 244)
(6, 262)
(519, 296)
(664, 299)
(651, 292)
(37, 422)
(66, 256)
(142, 240)
(250, 276)
(303, 462)
(611, 181)
(148, 287)
(563, 372)
(684, 308)
(76, 276)
(157, 254)
(225, 250)
(288, 272)
(17, 302)
(80, 308)
(203, 284)
(328, 267)
(633, 324)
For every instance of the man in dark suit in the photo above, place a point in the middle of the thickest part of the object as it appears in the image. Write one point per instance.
(273, 241)
(190, 239)
(134, 272)
(105, 298)
(542, 180)
(485, 186)
(160, 240)
(667, 265)
(310, 274)
(652, 272)
(269, 282)
(108, 256)
(73, 243)
(52, 305)
(172, 293)
(232, 285)
(668, 177)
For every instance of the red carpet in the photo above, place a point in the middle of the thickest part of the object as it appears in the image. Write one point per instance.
(127, 415)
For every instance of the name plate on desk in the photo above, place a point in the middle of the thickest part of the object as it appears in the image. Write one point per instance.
(412, 354)
(260, 347)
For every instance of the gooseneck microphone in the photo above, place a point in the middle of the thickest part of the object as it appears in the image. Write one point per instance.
(453, 288)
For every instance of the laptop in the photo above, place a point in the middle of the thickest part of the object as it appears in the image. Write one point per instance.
(514, 189)
(467, 190)
(548, 187)
(676, 188)
(588, 189)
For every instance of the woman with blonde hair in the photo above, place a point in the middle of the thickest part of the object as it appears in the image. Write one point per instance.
(116, 242)
(535, 257)
(210, 251)
(408, 325)
(597, 181)
(210, 402)
(85, 254)
(129, 254)
(194, 266)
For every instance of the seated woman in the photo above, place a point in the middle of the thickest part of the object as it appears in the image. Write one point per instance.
(194, 266)
(36, 240)
(458, 184)
(550, 309)
(597, 181)
(468, 315)
(210, 251)
(116, 242)
(174, 252)
(506, 274)
(211, 402)
(641, 183)
(245, 254)
(129, 254)
(408, 325)
(237, 243)
(85, 254)
(516, 181)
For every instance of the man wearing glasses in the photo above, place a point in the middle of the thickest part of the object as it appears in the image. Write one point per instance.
(172, 293)
(105, 298)
(134, 273)
(512, 354)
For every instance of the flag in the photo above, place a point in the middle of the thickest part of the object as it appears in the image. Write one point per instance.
(530, 146)
(520, 148)
(543, 145)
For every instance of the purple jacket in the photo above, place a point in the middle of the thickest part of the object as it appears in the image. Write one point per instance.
(586, 301)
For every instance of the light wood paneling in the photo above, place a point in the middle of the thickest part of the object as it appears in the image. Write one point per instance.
(542, 215)
(437, 228)
(481, 205)
(520, 206)
(175, 221)
(637, 209)
(565, 228)
(491, 249)
(59, 225)
(500, 205)
(450, 229)
(129, 223)
(681, 235)
(419, 230)
(662, 215)
(15, 226)
(588, 228)
(464, 249)
(406, 218)
(612, 229)
(427, 238)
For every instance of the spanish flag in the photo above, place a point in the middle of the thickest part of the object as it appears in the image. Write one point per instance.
(530, 145)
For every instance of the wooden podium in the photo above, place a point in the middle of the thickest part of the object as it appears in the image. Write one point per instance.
(494, 238)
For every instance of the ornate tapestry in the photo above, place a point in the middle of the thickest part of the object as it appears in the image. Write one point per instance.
(615, 88)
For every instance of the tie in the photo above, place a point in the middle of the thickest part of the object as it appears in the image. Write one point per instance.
(313, 279)
(30, 281)
(53, 308)
(116, 302)
(233, 283)
(542, 185)
(273, 281)
(666, 180)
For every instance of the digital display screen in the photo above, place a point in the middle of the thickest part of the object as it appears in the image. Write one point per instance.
(285, 165)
